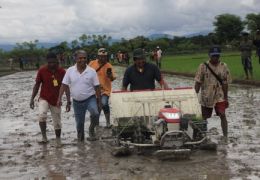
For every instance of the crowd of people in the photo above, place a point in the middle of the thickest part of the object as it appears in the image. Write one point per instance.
(89, 85)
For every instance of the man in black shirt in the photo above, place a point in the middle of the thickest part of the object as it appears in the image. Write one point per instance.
(142, 75)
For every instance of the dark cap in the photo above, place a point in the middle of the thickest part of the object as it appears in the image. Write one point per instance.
(214, 50)
(139, 53)
(102, 52)
(51, 56)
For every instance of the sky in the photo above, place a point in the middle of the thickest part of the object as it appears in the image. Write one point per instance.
(66, 20)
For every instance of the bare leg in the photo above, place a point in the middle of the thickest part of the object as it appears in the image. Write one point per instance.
(224, 125)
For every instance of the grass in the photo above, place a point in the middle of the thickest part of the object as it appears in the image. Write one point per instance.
(190, 63)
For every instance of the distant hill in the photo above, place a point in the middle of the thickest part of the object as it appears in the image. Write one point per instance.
(9, 47)
(158, 36)
(203, 33)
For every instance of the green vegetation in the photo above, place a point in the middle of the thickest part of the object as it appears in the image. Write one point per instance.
(190, 63)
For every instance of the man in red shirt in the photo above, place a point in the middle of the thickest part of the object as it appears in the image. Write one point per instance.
(49, 77)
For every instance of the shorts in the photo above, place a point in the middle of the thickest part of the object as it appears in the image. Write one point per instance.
(220, 108)
(44, 106)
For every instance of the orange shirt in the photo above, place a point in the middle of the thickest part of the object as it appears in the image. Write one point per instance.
(105, 82)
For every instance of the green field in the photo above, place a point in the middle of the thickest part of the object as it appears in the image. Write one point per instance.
(190, 63)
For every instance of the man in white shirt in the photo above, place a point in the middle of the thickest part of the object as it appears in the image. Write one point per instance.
(81, 81)
(159, 56)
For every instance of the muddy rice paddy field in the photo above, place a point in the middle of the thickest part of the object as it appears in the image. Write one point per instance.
(21, 157)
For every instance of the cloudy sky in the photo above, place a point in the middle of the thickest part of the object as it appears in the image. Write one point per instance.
(59, 20)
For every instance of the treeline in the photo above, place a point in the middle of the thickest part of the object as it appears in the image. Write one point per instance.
(227, 32)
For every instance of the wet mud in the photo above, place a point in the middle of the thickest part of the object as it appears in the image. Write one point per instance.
(22, 157)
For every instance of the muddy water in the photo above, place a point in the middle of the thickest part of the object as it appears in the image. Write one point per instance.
(21, 157)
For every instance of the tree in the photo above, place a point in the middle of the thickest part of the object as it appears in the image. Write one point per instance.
(228, 27)
(61, 50)
(75, 44)
(163, 43)
(83, 39)
(252, 22)
(139, 42)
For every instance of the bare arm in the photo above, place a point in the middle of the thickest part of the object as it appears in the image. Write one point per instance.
(197, 87)
(64, 88)
(225, 91)
(34, 93)
(98, 96)
(98, 92)
(163, 83)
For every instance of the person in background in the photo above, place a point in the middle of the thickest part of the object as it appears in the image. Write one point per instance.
(81, 81)
(142, 75)
(213, 92)
(106, 75)
(246, 46)
(256, 42)
(112, 57)
(126, 57)
(158, 56)
(49, 77)
(11, 63)
(20, 63)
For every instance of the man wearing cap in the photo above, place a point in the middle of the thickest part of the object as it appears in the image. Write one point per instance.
(142, 75)
(213, 91)
(246, 46)
(256, 42)
(106, 75)
(82, 82)
(49, 77)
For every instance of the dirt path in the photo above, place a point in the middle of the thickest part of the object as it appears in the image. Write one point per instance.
(21, 157)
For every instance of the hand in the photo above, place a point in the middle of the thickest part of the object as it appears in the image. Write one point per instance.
(99, 105)
(32, 104)
(165, 86)
(110, 76)
(68, 106)
(59, 103)
(109, 73)
(227, 103)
